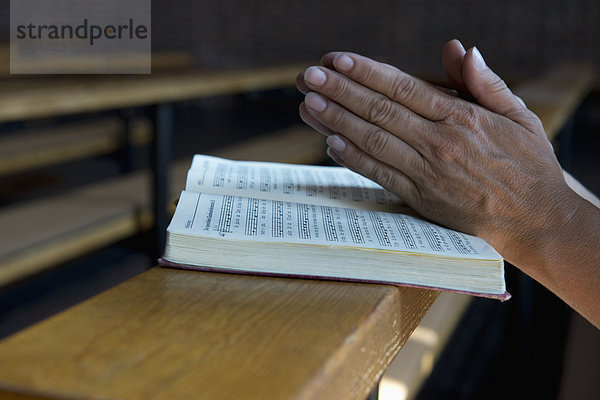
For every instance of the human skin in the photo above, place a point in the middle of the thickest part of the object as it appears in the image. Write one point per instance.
(483, 167)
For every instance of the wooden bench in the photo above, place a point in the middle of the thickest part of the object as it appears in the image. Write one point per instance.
(160, 61)
(29, 149)
(176, 351)
(174, 334)
(29, 98)
(52, 230)
(26, 98)
(554, 97)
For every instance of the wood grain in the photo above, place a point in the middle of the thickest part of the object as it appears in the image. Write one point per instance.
(180, 334)
(36, 98)
(414, 363)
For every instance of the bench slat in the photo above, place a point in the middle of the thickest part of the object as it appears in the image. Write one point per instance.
(29, 98)
(25, 150)
(49, 231)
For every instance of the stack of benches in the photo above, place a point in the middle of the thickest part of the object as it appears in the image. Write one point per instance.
(58, 228)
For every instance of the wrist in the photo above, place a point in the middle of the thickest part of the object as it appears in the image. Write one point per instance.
(530, 237)
(551, 235)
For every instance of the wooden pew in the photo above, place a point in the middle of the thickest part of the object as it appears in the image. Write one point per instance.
(53, 230)
(99, 340)
(23, 150)
(174, 334)
(281, 337)
(30, 98)
(554, 97)
(160, 61)
(34, 97)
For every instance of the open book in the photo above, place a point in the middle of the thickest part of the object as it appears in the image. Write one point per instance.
(319, 222)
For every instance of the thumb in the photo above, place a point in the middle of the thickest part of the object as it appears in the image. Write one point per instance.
(489, 89)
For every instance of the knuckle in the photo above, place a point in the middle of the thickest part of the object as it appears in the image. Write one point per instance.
(358, 160)
(336, 119)
(529, 120)
(443, 105)
(371, 72)
(446, 150)
(383, 176)
(520, 101)
(375, 142)
(464, 114)
(340, 89)
(403, 88)
(536, 123)
(380, 110)
(498, 85)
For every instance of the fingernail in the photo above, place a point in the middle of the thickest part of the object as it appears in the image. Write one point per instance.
(343, 63)
(336, 143)
(478, 60)
(460, 44)
(315, 102)
(333, 155)
(315, 76)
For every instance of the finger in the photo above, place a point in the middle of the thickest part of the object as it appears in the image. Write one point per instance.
(300, 84)
(413, 93)
(327, 59)
(335, 157)
(370, 138)
(452, 60)
(491, 92)
(313, 122)
(348, 155)
(448, 91)
(369, 105)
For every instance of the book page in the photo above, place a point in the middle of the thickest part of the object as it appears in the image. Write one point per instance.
(253, 219)
(333, 186)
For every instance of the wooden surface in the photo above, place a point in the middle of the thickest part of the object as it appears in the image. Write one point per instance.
(173, 334)
(52, 230)
(555, 95)
(36, 98)
(24, 150)
(97, 63)
(160, 60)
(414, 363)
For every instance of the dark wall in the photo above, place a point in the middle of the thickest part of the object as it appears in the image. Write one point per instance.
(516, 37)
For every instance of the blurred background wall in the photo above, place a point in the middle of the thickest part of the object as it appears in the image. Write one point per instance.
(517, 38)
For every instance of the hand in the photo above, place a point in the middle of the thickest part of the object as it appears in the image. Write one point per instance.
(483, 169)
